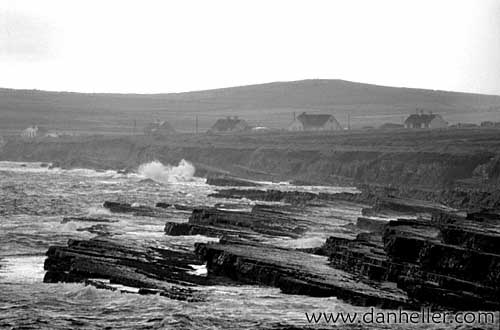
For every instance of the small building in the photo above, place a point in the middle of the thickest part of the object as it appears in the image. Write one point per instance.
(30, 132)
(314, 122)
(487, 124)
(229, 124)
(159, 128)
(423, 120)
(490, 124)
(33, 132)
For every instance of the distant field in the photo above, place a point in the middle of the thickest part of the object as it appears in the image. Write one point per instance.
(271, 105)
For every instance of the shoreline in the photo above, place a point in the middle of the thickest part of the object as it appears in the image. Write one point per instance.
(460, 168)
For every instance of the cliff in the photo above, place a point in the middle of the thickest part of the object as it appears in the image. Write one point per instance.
(423, 163)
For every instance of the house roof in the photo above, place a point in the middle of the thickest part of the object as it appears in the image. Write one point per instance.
(229, 124)
(418, 119)
(310, 121)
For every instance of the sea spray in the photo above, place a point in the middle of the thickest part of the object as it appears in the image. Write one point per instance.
(158, 172)
(97, 211)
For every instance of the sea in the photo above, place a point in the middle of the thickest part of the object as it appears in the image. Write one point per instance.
(34, 199)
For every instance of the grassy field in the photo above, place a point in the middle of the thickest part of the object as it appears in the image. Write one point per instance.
(271, 105)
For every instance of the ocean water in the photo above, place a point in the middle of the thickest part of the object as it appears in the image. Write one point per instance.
(33, 202)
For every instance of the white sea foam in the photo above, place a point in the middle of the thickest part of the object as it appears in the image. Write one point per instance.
(22, 269)
(31, 167)
(199, 270)
(155, 170)
(96, 211)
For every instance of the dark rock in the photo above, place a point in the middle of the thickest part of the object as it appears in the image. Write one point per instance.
(484, 214)
(86, 219)
(225, 180)
(163, 205)
(294, 272)
(447, 261)
(370, 224)
(408, 205)
(142, 210)
(132, 264)
(482, 236)
(215, 222)
(182, 207)
(188, 229)
(99, 229)
(292, 197)
(455, 263)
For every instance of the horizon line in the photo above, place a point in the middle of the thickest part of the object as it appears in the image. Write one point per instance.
(242, 86)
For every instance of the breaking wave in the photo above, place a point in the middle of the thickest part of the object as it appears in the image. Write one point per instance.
(155, 170)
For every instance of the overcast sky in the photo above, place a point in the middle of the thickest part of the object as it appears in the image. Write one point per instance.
(172, 46)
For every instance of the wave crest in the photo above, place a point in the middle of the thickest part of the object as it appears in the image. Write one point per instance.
(155, 170)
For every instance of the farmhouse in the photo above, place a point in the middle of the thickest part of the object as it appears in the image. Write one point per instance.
(159, 128)
(314, 122)
(423, 120)
(229, 124)
(33, 132)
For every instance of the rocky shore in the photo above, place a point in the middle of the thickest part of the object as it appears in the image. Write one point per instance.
(260, 221)
(428, 231)
(433, 255)
(144, 268)
(448, 263)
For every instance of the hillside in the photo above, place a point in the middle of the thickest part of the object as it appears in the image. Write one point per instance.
(269, 104)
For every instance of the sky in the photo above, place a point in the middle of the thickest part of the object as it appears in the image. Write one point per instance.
(173, 46)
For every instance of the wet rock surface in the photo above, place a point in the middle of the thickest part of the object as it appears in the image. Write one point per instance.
(215, 222)
(447, 261)
(148, 268)
(137, 210)
(226, 180)
(292, 197)
(86, 219)
(387, 204)
(294, 272)
(437, 256)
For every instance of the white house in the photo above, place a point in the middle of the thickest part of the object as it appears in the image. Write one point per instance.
(425, 121)
(314, 122)
(30, 132)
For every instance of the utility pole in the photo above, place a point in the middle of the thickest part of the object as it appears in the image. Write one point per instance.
(348, 121)
(196, 125)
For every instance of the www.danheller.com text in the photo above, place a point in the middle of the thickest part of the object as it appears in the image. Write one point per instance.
(401, 316)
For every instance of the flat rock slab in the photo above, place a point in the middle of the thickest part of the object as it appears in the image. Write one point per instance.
(295, 272)
(148, 268)
(217, 223)
(141, 210)
(481, 236)
(87, 219)
(409, 205)
(231, 181)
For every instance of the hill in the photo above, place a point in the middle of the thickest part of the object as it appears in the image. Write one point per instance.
(271, 105)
